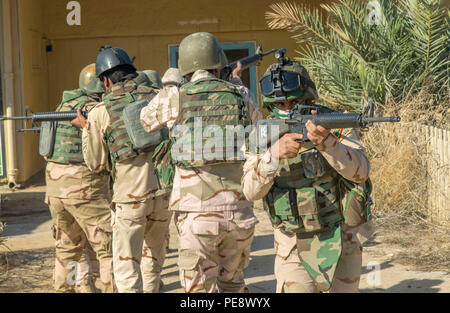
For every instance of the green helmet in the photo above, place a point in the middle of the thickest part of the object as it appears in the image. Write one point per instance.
(298, 83)
(200, 51)
(155, 79)
(88, 81)
(172, 76)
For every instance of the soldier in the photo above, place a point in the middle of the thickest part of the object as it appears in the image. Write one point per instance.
(302, 186)
(214, 220)
(154, 78)
(78, 198)
(140, 220)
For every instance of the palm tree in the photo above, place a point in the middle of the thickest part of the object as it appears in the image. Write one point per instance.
(381, 49)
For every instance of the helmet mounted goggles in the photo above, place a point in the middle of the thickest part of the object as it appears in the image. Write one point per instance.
(280, 82)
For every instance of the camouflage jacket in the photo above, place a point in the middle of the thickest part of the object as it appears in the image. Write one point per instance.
(200, 189)
(134, 178)
(76, 181)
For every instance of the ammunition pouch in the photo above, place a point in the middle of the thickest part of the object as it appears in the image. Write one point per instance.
(297, 210)
(140, 138)
(356, 202)
(47, 138)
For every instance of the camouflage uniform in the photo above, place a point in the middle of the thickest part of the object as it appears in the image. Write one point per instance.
(140, 221)
(215, 222)
(297, 250)
(348, 159)
(79, 205)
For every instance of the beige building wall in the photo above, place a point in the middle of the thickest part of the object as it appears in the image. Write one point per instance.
(35, 82)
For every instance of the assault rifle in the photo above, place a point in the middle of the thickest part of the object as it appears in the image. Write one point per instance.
(43, 117)
(270, 130)
(246, 62)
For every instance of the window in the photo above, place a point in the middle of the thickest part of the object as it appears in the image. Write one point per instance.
(234, 52)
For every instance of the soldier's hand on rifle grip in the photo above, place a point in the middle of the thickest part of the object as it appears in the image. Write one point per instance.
(316, 133)
(80, 121)
(237, 72)
(287, 146)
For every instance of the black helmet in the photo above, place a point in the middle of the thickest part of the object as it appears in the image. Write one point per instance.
(110, 57)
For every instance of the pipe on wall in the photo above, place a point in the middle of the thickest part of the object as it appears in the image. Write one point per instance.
(8, 77)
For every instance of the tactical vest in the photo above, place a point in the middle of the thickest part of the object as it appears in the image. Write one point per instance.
(219, 106)
(304, 196)
(119, 143)
(67, 144)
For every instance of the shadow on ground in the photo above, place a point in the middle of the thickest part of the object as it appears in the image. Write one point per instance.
(410, 286)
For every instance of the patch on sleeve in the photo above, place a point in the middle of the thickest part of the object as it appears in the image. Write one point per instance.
(341, 133)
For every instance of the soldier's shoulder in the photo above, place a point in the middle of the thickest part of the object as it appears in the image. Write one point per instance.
(70, 95)
(146, 90)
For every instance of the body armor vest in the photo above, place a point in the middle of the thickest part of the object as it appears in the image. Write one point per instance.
(67, 143)
(218, 106)
(305, 195)
(119, 142)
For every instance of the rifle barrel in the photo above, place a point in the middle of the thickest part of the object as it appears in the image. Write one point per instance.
(387, 119)
(46, 116)
(55, 116)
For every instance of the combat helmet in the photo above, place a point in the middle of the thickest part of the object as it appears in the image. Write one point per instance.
(88, 81)
(200, 51)
(286, 80)
(172, 76)
(155, 79)
(111, 57)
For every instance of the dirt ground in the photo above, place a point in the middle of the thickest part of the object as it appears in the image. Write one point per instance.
(27, 254)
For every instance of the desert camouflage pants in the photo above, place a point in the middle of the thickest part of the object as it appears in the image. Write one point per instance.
(293, 278)
(214, 249)
(139, 244)
(82, 230)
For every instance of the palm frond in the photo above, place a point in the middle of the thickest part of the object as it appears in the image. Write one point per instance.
(349, 58)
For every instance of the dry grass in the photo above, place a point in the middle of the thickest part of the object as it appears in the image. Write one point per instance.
(399, 174)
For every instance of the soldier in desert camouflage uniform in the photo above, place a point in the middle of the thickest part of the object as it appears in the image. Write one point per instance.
(214, 220)
(79, 199)
(317, 249)
(140, 219)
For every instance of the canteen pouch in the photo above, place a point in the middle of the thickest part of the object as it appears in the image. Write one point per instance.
(355, 201)
(278, 204)
(47, 138)
(138, 136)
